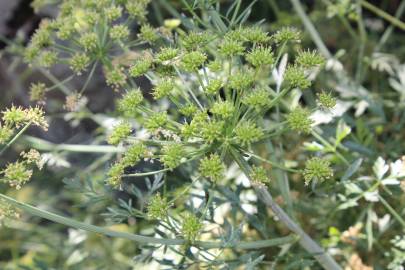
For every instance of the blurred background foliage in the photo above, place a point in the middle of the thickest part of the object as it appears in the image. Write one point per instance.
(366, 48)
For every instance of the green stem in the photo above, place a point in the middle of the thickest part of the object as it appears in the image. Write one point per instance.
(55, 80)
(390, 29)
(383, 14)
(140, 238)
(305, 240)
(330, 147)
(145, 173)
(392, 211)
(362, 43)
(275, 164)
(43, 145)
(310, 28)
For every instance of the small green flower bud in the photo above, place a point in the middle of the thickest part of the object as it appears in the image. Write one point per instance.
(241, 80)
(133, 154)
(7, 211)
(30, 53)
(119, 133)
(230, 47)
(193, 60)
(215, 66)
(37, 91)
(79, 62)
(258, 99)
(295, 77)
(326, 100)
(172, 155)
(5, 134)
(287, 34)
(128, 104)
(140, 67)
(137, 9)
(119, 32)
(36, 117)
(66, 29)
(213, 86)
(112, 13)
(188, 110)
(212, 167)
(115, 175)
(248, 133)
(308, 59)
(89, 41)
(157, 207)
(260, 56)
(115, 77)
(32, 157)
(156, 121)
(236, 34)
(299, 120)
(42, 37)
(317, 169)
(148, 33)
(189, 130)
(165, 70)
(47, 59)
(191, 227)
(195, 40)
(91, 18)
(212, 130)
(16, 174)
(166, 54)
(259, 176)
(163, 89)
(14, 116)
(223, 109)
(256, 35)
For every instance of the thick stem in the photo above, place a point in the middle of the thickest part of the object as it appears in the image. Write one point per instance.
(305, 241)
(140, 238)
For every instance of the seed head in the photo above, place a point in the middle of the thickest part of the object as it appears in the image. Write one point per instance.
(16, 174)
(156, 121)
(79, 62)
(148, 33)
(230, 47)
(326, 100)
(163, 88)
(260, 56)
(37, 92)
(317, 169)
(309, 59)
(128, 104)
(296, 78)
(287, 34)
(248, 133)
(259, 176)
(119, 133)
(191, 227)
(172, 155)
(133, 154)
(140, 67)
(119, 32)
(193, 60)
(258, 99)
(223, 109)
(157, 207)
(212, 167)
(299, 120)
